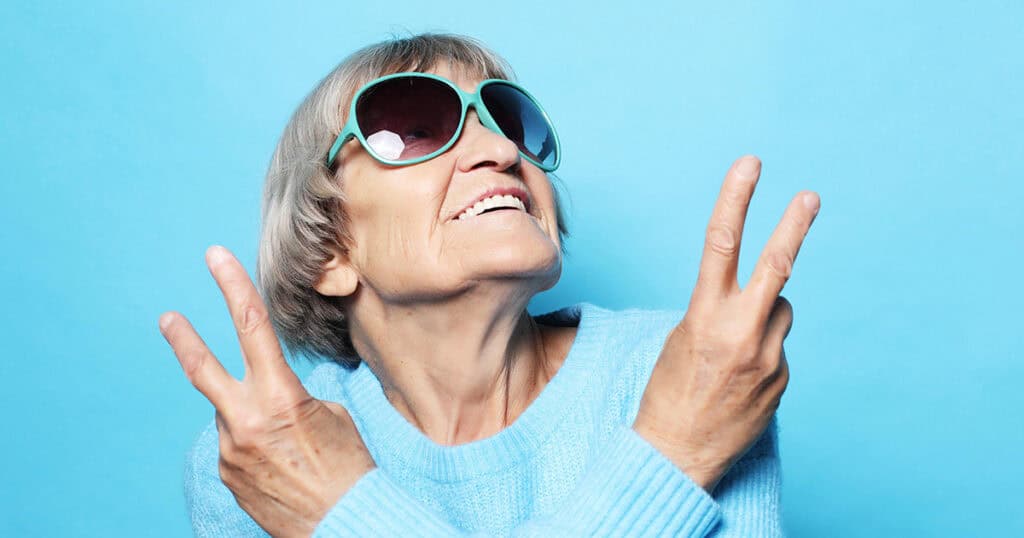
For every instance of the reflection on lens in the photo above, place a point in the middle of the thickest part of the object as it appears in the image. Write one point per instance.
(386, 144)
(521, 121)
(408, 117)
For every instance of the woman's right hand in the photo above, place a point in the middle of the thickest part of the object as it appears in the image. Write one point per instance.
(286, 456)
(722, 370)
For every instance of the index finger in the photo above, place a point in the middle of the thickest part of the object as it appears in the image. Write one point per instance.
(718, 263)
(261, 351)
(201, 368)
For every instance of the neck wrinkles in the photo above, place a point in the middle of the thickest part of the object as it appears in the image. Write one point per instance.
(459, 371)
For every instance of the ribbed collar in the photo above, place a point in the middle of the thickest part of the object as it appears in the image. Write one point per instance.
(394, 442)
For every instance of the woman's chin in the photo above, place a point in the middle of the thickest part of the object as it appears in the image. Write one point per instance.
(537, 261)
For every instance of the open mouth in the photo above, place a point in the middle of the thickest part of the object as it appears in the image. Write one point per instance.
(492, 204)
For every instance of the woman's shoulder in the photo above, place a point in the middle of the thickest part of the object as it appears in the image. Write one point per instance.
(601, 327)
(331, 381)
(612, 351)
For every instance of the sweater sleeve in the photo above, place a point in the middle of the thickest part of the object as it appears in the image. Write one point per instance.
(630, 490)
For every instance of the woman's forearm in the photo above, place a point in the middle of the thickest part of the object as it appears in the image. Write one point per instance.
(631, 495)
(630, 489)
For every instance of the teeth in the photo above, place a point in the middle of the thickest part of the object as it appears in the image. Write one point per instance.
(501, 200)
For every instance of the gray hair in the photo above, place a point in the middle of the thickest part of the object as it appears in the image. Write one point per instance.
(304, 217)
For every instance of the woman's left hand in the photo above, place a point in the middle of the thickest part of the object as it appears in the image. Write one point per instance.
(286, 456)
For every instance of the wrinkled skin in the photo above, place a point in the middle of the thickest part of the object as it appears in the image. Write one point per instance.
(288, 457)
(722, 371)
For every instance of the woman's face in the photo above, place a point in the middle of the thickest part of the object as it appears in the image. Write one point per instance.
(408, 241)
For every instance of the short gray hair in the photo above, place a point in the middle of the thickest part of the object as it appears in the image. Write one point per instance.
(304, 217)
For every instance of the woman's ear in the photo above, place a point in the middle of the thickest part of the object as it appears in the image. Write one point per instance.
(338, 279)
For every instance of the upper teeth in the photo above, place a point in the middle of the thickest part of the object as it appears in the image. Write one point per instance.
(498, 200)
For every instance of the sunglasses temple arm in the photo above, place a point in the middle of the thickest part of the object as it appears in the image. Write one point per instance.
(335, 148)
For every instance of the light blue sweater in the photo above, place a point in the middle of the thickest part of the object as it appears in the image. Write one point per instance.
(570, 465)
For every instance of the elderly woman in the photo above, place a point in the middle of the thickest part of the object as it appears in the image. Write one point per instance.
(408, 220)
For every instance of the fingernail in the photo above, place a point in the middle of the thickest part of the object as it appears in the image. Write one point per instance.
(747, 167)
(811, 202)
(216, 254)
(165, 320)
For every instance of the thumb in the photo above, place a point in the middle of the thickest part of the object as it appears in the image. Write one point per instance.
(780, 322)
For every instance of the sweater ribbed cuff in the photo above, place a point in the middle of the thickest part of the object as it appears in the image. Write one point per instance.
(376, 506)
(634, 490)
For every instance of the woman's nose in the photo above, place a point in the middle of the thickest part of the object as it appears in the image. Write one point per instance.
(479, 147)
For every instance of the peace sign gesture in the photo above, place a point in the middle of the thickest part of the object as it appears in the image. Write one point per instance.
(722, 370)
(285, 455)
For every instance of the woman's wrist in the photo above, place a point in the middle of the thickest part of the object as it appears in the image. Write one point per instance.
(705, 474)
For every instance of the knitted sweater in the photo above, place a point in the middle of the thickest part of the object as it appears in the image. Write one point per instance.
(570, 465)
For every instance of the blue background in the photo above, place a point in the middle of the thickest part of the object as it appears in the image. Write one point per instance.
(135, 134)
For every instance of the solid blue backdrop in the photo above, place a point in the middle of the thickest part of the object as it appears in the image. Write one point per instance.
(136, 134)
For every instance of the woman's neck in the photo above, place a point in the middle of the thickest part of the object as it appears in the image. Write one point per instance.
(460, 370)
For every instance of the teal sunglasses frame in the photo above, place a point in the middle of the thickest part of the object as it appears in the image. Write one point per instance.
(474, 100)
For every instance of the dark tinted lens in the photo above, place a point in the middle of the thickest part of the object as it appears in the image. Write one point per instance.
(521, 121)
(408, 117)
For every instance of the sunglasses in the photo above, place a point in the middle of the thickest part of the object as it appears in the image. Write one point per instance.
(408, 118)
